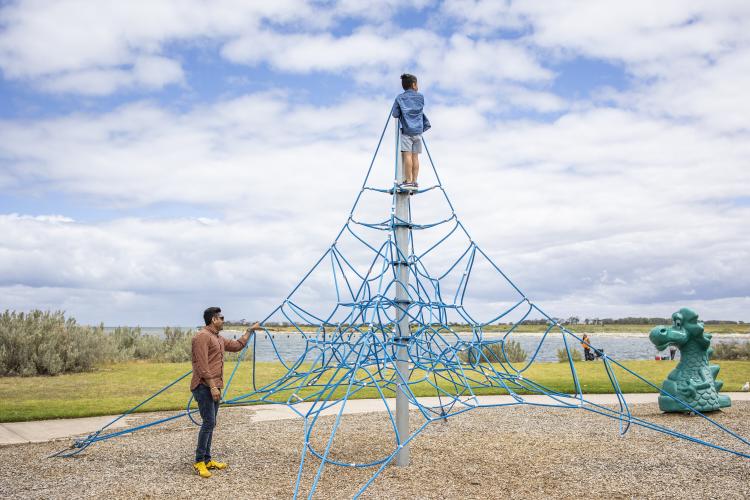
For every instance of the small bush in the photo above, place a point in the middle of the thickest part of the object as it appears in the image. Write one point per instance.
(731, 350)
(562, 355)
(149, 347)
(129, 343)
(178, 345)
(123, 342)
(515, 352)
(493, 353)
(46, 343)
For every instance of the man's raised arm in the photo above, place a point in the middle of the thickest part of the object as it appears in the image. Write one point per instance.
(238, 345)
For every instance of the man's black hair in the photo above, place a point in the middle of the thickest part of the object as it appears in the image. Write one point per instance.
(408, 80)
(209, 314)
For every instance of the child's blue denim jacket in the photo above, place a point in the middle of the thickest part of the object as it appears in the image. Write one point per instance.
(408, 109)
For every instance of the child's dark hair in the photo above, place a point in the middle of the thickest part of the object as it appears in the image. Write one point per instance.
(407, 81)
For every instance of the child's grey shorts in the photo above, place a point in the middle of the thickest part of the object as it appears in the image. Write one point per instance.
(411, 143)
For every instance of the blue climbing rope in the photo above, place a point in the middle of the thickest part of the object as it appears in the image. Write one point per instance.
(350, 348)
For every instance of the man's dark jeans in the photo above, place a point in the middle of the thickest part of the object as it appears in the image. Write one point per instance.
(208, 409)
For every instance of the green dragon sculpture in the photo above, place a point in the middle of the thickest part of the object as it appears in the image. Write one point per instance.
(693, 380)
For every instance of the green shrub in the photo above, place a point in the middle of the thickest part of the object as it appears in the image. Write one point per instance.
(731, 350)
(493, 352)
(123, 340)
(46, 343)
(515, 352)
(128, 343)
(149, 347)
(178, 345)
(562, 355)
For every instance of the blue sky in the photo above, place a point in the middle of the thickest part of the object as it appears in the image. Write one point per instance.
(159, 157)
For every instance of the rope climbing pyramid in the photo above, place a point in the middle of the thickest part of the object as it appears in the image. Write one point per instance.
(399, 275)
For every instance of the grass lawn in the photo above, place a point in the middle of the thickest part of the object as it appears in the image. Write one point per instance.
(116, 388)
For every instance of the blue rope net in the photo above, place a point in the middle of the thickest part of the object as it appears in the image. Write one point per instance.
(351, 344)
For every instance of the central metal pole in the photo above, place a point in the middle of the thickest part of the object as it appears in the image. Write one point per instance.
(402, 231)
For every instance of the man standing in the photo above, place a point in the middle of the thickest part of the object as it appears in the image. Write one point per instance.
(208, 380)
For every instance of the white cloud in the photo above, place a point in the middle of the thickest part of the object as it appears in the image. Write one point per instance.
(133, 257)
(380, 11)
(147, 72)
(711, 93)
(600, 192)
(108, 47)
(482, 16)
(635, 32)
(63, 44)
(688, 59)
(523, 98)
(140, 154)
(324, 52)
(91, 82)
(113, 308)
(642, 32)
(457, 63)
(634, 206)
(156, 72)
(463, 62)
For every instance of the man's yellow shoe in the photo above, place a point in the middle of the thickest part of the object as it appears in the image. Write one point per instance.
(213, 464)
(201, 470)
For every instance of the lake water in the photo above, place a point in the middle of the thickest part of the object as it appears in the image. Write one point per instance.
(620, 347)
(291, 346)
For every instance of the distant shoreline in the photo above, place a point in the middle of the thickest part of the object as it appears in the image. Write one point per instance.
(496, 334)
(493, 331)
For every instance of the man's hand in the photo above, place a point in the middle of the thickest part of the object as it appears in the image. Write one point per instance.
(215, 393)
(253, 327)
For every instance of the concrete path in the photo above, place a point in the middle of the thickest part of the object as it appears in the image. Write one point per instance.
(47, 430)
(39, 431)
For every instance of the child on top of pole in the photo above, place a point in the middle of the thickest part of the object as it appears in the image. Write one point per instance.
(408, 109)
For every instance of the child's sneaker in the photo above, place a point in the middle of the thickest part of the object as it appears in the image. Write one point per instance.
(201, 470)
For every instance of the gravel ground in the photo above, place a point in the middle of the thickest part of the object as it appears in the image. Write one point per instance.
(525, 452)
